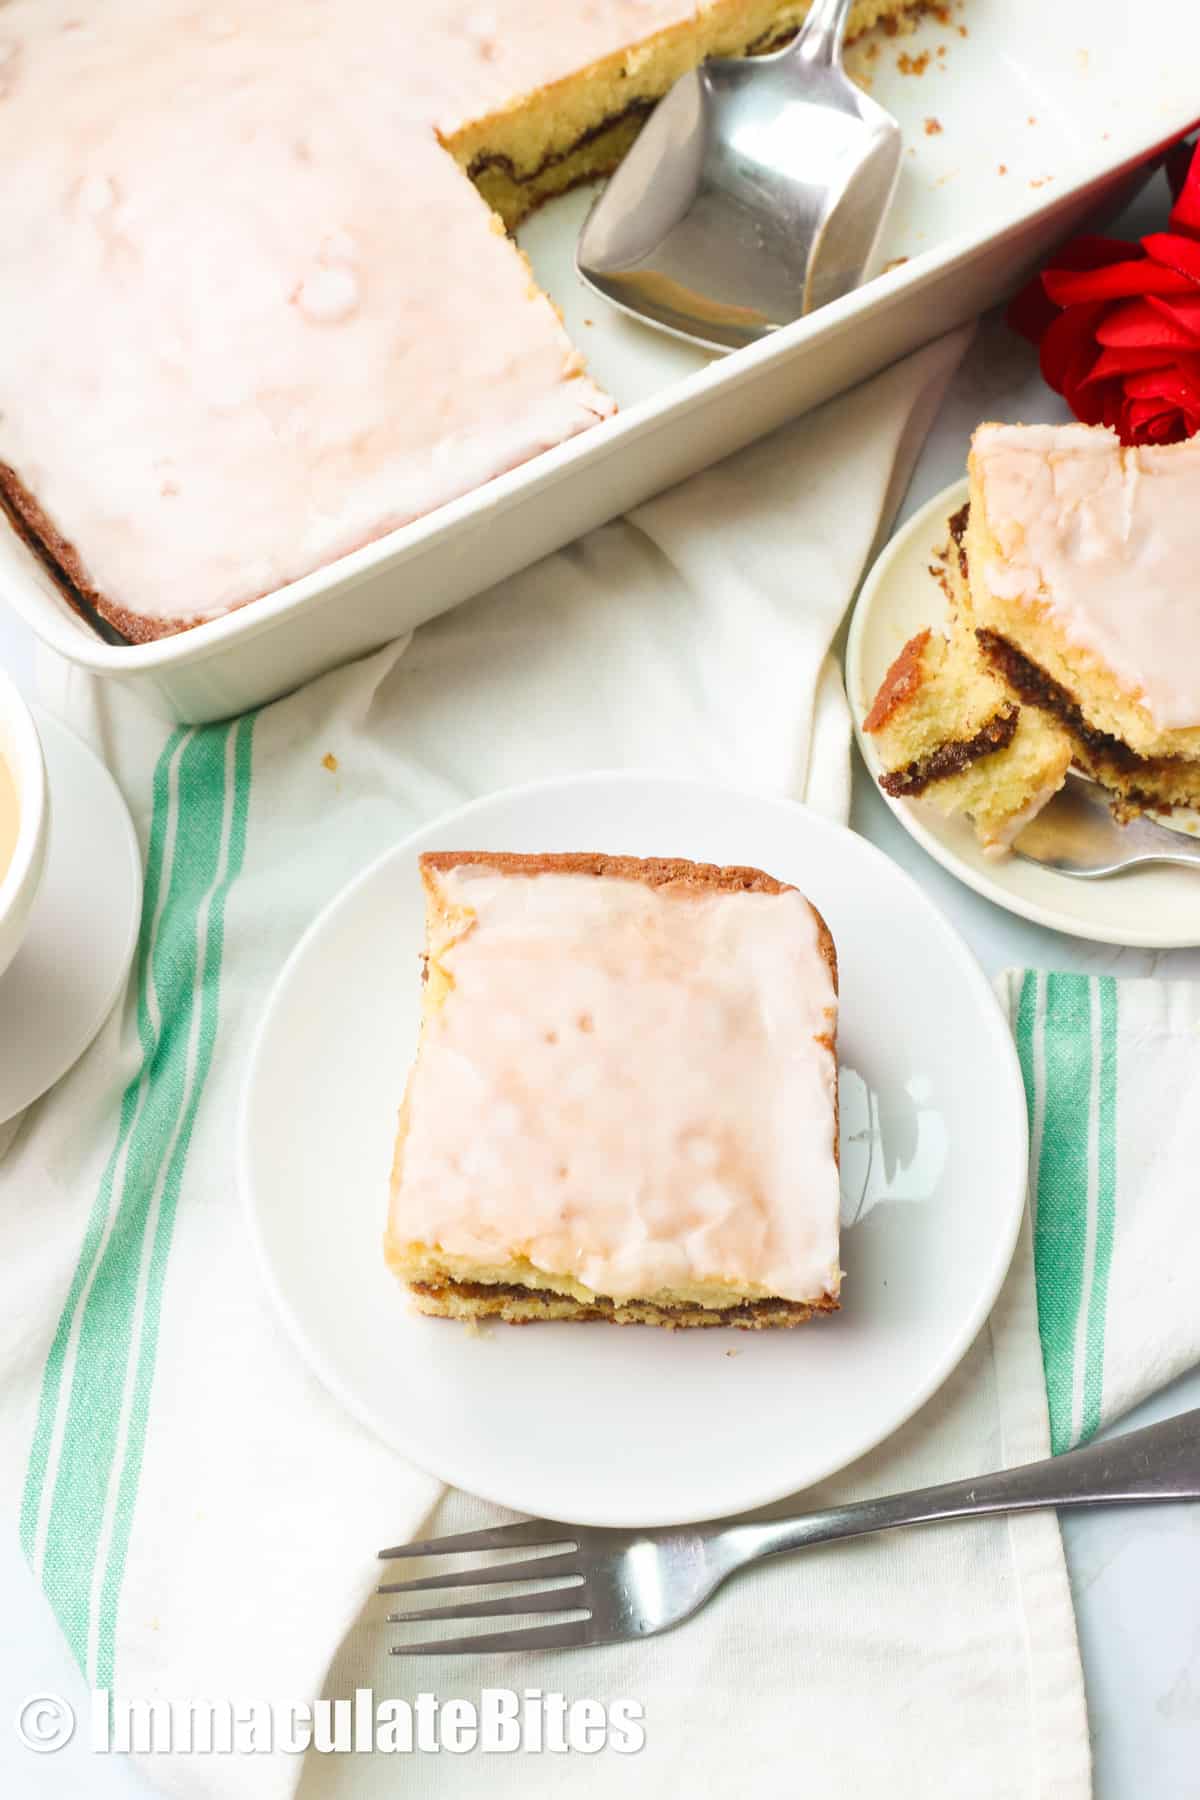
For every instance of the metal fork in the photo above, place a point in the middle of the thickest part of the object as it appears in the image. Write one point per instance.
(631, 1584)
(1076, 834)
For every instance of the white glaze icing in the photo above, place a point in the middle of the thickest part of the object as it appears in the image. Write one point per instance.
(625, 1085)
(254, 314)
(1109, 540)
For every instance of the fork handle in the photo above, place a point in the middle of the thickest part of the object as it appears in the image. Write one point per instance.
(1159, 1462)
(1163, 842)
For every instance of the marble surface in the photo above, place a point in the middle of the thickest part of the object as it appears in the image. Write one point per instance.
(1135, 1572)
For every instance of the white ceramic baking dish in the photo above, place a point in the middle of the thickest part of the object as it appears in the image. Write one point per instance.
(1020, 118)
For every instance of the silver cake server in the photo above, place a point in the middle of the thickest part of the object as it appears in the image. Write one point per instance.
(755, 192)
(1076, 834)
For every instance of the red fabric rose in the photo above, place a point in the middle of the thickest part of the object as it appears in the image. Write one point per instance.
(1118, 324)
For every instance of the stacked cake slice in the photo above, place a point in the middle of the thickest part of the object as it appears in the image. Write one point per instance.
(1073, 576)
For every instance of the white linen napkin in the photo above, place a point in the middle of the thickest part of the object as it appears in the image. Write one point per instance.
(202, 1516)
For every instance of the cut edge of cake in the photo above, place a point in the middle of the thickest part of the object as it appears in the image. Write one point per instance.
(577, 129)
(946, 728)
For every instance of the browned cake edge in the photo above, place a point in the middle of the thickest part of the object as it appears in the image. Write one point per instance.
(38, 531)
(517, 1305)
(901, 680)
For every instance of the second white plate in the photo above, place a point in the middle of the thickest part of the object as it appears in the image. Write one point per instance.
(64, 980)
(640, 1426)
(1155, 908)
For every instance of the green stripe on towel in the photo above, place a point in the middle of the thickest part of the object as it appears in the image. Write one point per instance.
(1062, 1190)
(95, 1231)
(212, 921)
(79, 1502)
(1066, 1031)
(1106, 1205)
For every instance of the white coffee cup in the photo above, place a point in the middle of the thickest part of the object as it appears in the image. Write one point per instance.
(22, 751)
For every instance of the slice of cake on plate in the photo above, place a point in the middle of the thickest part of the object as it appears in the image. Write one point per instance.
(1083, 565)
(1073, 635)
(624, 1102)
(946, 726)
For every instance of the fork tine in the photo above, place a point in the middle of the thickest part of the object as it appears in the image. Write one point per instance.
(559, 1599)
(528, 1637)
(565, 1564)
(495, 1537)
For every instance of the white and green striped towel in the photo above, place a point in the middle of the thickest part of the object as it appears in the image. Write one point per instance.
(203, 1517)
(1112, 1075)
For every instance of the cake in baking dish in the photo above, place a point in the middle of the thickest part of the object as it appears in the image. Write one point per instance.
(258, 300)
(1075, 617)
(624, 1100)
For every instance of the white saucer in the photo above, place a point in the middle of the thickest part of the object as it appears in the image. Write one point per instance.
(61, 985)
(609, 1426)
(1154, 908)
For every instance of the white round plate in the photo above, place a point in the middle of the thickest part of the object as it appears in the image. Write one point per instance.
(61, 985)
(1155, 908)
(636, 1425)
